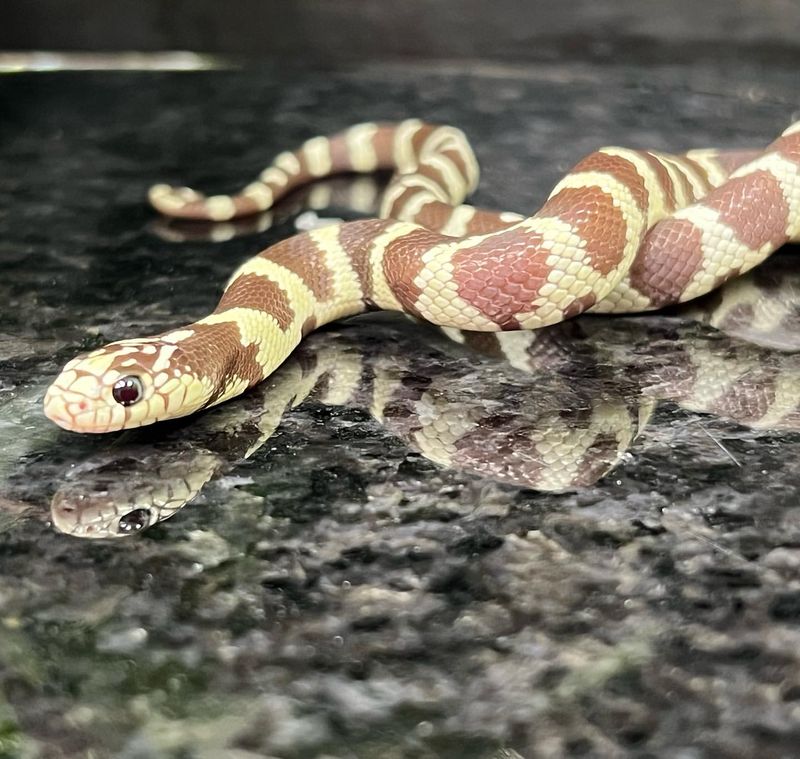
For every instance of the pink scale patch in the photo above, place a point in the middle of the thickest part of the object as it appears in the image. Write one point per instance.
(667, 261)
(788, 146)
(754, 207)
(502, 275)
(591, 212)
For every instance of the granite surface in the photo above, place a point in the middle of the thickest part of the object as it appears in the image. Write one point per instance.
(339, 593)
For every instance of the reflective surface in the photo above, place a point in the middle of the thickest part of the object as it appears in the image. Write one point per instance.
(398, 546)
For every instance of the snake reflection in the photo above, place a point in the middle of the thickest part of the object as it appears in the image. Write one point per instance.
(554, 410)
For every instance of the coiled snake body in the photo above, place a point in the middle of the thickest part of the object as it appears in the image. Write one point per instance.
(624, 231)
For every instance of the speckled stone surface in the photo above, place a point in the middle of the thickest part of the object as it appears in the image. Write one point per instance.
(338, 594)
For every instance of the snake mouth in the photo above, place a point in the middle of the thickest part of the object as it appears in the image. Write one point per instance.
(78, 415)
(55, 409)
(65, 422)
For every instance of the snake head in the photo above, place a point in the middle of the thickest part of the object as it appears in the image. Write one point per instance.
(96, 516)
(126, 384)
(123, 492)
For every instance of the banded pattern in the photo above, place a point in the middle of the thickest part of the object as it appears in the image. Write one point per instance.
(552, 435)
(625, 230)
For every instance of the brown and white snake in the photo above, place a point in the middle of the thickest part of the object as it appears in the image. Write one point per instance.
(583, 392)
(624, 231)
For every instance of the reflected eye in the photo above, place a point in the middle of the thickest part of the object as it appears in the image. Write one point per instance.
(127, 390)
(135, 521)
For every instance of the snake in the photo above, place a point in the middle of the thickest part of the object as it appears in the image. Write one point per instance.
(625, 230)
(449, 402)
(552, 434)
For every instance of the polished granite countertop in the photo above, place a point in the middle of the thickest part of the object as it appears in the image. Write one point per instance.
(399, 545)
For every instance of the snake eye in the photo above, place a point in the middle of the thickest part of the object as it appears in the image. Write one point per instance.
(135, 521)
(127, 390)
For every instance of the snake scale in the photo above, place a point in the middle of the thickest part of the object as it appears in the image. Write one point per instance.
(624, 231)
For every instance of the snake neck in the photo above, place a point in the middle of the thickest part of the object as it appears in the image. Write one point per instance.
(231, 350)
(270, 304)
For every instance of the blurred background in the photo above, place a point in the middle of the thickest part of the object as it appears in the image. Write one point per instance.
(321, 32)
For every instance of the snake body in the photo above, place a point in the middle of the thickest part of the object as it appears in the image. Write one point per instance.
(553, 433)
(624, 231)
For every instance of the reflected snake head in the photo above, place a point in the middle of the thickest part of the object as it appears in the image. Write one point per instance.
(121, 497)
(93, 516)
(126, 384)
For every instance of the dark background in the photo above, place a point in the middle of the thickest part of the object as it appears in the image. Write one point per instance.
(332, 31)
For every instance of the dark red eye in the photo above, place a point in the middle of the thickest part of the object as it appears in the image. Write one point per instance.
(127, 390)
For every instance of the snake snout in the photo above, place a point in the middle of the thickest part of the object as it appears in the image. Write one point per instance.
(67, 407)
(98, 391)
(85, 515)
